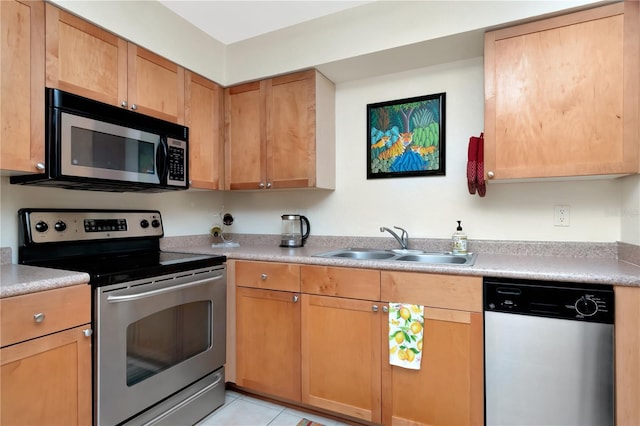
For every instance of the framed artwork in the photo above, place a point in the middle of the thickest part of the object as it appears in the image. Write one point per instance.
(406, 137)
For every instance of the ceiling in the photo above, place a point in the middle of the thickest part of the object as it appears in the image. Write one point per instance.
(233, 21)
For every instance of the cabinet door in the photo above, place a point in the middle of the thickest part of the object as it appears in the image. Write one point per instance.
(341, 355)
(85, 59)
(21, 85)
(448, 388)
(561, 95)
(203, 116)
(47, 380)
(291, 142)
(155, 85)
(268, 342)
(245, 139)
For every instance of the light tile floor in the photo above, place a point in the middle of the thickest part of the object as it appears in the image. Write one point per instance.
(243, 410)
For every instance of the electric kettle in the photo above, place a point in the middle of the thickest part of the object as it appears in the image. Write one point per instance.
(292, 235)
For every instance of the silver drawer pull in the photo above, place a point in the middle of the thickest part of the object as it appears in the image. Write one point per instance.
(385, 309)
(374, 308)
(88, 332)
(263, 276)
(295, 298)
(39, 317)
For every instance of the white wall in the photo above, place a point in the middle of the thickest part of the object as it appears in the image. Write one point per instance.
(429, 206)
(601, 210)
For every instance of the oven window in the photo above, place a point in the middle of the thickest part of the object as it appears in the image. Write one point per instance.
(167, 338)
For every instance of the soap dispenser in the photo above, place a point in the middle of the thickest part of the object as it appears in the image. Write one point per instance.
(459, 241)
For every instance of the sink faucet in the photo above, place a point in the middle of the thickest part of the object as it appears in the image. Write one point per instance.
(403, 240)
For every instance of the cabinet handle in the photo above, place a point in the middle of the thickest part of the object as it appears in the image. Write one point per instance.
(39, 317)
(385, 309)
(268, 184)
(88, 332)
(124, 104)
(263, 276)
(261, 185)
(40, 166)
(134, 107)
(374, 308)
(295, 298)
(490, 174)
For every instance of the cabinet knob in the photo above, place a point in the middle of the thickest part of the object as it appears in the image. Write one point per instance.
(263, 276)
(385, 309)
(490, 174)
(124, 104)
(88, 332)
(268, 184)
(295, 298)
(261, 185)
(39, 317)
(134, 107)
(40, 166)
(374, 308)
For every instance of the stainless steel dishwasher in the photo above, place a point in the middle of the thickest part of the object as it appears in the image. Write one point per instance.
(548, 353)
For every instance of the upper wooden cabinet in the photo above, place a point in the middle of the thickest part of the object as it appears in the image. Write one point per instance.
(279, 133)
(204, 117)
(21, 85)
(84, 59)
(561, 95)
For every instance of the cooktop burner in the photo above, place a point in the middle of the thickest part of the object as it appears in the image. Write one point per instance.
(112, 246)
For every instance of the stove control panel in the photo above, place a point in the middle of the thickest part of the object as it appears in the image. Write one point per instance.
(46, 226)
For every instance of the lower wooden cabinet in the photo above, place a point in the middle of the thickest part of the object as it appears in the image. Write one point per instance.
(341, 355)
(449, 387)
(268, 342)
(331, 350)
(46, 369)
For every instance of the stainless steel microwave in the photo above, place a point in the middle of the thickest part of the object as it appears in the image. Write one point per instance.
(90, 145)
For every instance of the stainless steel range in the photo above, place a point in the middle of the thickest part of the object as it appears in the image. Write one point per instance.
(158, 317)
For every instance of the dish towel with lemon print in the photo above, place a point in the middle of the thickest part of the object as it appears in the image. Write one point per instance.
(406, 324)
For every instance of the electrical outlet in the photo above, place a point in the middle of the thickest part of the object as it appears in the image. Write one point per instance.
(561, 215)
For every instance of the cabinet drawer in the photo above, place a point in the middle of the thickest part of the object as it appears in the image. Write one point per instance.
(342, 282)
(433, 290)
(62, 308)
(268, 275)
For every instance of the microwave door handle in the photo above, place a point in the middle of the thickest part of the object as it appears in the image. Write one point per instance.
(137, 296)
(161, 159)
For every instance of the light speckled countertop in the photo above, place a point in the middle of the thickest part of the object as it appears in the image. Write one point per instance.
(570, 262)
(558, 266)
(21, 279)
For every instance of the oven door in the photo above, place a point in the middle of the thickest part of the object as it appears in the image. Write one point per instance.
(155, 337)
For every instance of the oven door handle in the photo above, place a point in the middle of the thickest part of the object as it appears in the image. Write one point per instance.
(136, 296)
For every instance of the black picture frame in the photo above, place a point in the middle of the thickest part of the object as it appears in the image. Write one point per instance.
(406, 137)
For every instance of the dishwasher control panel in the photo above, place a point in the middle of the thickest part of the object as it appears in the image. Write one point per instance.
(563, 300)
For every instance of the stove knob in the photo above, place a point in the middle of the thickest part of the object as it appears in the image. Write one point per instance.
(60, 226)
(144, 223)
(586, 307)
(42, 226)
(155, 223)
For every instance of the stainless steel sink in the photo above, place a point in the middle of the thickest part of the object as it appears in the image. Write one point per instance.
(416, 256)
(362, 254)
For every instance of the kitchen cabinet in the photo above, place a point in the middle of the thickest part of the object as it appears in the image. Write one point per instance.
(84, 59)
(561, 95)
(45, 357)
(627, 355)
(204, 117)
(22, 46)
(341, 341)
(448, 388)
(268, 328)
(279, 133)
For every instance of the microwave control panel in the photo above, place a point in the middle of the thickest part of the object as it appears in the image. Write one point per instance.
(177, 158)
